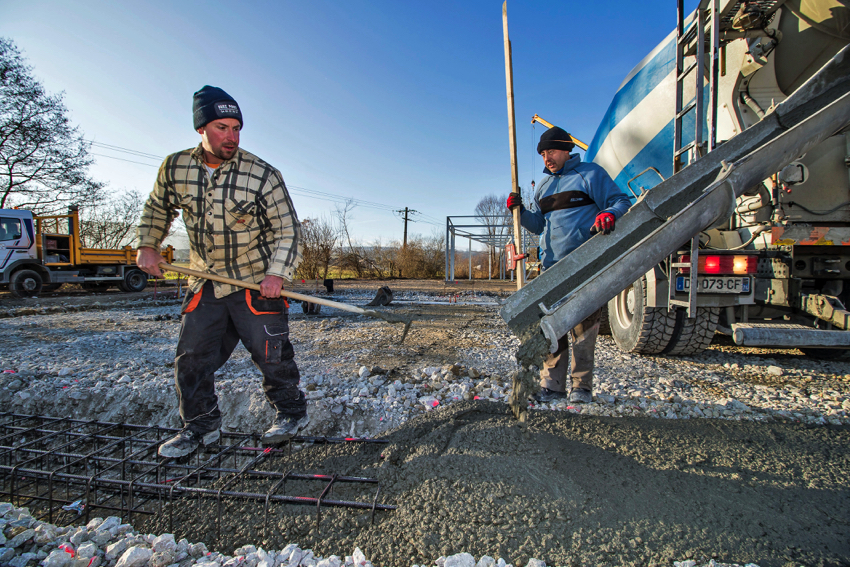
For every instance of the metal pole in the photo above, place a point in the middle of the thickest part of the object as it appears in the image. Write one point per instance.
(448, 231)
(490, 264)
(453, 256)
(713, 74)
(470, 258)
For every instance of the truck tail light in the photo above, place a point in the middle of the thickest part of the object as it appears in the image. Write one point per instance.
(713, 264)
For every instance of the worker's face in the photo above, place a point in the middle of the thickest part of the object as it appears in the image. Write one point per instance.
(554, 159)
(220, 139)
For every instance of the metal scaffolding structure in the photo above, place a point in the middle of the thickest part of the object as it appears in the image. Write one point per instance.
(494, 236)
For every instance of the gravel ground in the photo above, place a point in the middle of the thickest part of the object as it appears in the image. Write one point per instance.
(758, 445)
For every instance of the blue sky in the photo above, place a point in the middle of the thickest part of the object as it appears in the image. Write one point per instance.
(395, 104)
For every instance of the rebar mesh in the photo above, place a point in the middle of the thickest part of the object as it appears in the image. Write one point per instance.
(65, 469)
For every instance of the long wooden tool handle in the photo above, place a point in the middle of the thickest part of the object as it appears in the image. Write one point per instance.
(509, 79)
(284, 293)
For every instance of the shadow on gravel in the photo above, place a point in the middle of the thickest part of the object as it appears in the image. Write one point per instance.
(570, 490)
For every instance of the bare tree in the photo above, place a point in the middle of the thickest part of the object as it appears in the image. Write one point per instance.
(111, 224)
(492, 213)
(381, 260)
(320, 239)
(44, 160)
(352, 256)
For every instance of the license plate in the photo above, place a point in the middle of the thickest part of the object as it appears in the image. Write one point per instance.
(717, 284)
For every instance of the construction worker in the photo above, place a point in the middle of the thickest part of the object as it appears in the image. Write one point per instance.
(574, 201)
(241, 224)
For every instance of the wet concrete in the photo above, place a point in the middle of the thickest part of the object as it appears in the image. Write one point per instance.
(568, 489)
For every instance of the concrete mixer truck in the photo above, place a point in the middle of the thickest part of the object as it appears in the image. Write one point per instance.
(732, 138)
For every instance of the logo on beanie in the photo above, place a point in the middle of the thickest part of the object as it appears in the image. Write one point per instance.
(225, 108)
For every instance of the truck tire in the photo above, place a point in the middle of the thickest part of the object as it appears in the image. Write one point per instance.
(134, 281)
(635, 327)
(604, 324)
(25, 283)
(692, 336)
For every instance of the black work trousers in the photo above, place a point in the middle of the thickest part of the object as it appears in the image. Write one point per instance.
(210, 330)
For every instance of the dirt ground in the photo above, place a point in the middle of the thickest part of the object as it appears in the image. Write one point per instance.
(565, 488)
(75, 295)
(570, 490)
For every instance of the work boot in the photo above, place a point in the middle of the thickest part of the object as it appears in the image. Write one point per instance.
(581, 396)
(187, 441)
(285, 428)
(545, 395)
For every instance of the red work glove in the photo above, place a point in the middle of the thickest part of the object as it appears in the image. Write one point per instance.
(604, 224)
(514, 200)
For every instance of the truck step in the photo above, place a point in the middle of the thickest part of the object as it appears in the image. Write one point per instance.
(787, 335)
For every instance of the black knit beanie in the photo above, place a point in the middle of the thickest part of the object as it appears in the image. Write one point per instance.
(555, 139)
(212, 103)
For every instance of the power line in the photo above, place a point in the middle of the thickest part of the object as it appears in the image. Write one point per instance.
(293, 189)
(125, 150)
(122, 159)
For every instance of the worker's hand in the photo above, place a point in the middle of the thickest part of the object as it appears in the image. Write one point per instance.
(148, 260)
(271, 286)
(514, 200)
(604, 224)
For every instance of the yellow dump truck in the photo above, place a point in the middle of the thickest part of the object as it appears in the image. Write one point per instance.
(43, 252)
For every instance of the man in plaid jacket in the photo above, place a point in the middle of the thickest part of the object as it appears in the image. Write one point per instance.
(241, 224)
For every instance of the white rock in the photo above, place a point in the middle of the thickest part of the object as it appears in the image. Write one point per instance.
(332, 561)
(58, 558)
(308, 560)
(486, 561)
(101, 537)
(79, 536)
(247, 549)
(460, 560)
(136, 556)
(44, 534)
(116, 549)
(21, 538)
(535, 563)
(295, 556)
(88, 549)
(773, 371)
(109, 523)
(161, 559)
(358, 558)
(363, 372)
(165, 542)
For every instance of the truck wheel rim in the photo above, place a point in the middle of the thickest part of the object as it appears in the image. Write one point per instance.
(625, 304)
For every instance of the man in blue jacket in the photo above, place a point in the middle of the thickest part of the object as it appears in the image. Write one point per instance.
(574, 201)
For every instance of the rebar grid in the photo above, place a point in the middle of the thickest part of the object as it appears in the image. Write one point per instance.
(63, 465)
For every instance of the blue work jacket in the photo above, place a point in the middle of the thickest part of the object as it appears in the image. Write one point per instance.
(565, 206)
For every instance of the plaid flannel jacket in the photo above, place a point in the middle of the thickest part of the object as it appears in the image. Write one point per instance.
(241, 222)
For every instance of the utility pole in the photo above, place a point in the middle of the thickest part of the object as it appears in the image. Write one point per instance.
(407, 211)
